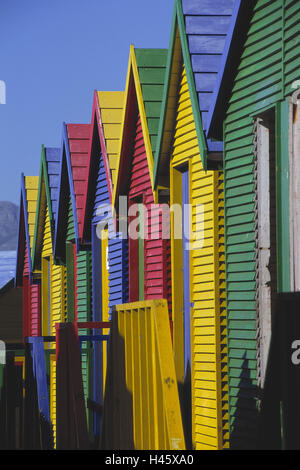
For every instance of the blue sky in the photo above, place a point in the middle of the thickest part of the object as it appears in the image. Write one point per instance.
(53, 55)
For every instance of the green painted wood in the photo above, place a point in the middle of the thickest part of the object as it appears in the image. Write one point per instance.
(70, 236)
(70, 282)
(151, 65)
(269, 65)
(84, 313)
(282, 185)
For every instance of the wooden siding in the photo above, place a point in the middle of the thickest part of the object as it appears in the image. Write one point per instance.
(268, 66)
(111, 109)
(35, 309)
(52, 162)
(83, 305)
(208, 321)
(79, 135)
(155, 269)
(70, 234)
(141, 408)
(31, 186)
(58, 300)
(206, 25)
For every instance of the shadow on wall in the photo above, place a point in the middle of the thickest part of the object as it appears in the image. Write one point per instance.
(244, 413)
(280, 410)
(117, 427)
(38, 432)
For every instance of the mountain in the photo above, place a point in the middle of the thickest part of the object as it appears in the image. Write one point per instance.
(8, 226)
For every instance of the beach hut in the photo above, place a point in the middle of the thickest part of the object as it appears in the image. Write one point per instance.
(23, 277)
(108, 250)
(256, 109)
(68, 251)
(148, 260)
(188, 165)
(51, 276)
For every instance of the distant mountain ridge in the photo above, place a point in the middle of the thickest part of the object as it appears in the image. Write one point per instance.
(8, 226)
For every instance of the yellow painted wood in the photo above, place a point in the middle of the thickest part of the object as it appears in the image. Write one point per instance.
(31, 187)
(150, 375)
(53, 395)
(105, 296)
(53, 288)
(208, 329)
(111, 105)
(132, 73)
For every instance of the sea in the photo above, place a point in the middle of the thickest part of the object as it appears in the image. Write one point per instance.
(7, 266)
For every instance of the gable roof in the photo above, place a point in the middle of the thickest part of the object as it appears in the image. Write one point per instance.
(47, 197)
(104, 140)
(143, 94)
(73, 178)
(198, 37)
(236, 37)
(27, 211)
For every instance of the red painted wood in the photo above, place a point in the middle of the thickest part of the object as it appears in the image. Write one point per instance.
(26, 306)
(35, 304)
(79, 145)
(94, 324)
(26, 262)
(156, 267)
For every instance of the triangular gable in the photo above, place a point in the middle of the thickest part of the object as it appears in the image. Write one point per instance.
(236, 37)
(73, 178)
(47, 198)
(27, 212)
(144, 92)
(104, 142)
(198, 37)
(144, 87)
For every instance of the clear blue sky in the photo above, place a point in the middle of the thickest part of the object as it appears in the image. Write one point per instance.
(53, 55)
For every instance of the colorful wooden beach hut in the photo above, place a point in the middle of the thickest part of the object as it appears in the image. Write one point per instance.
(256, 109)
(51, 276)
(148, 260)
(188, 165)
(23, 277)
(68, 251)
(108, 250)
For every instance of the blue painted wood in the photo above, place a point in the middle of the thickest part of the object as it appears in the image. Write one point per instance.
(186, 271)
(66, 185)
(207, 7)
(206, 44)
(205, 81)
(206, 63)
(207, 25)
(39, 370)
(53, 166)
